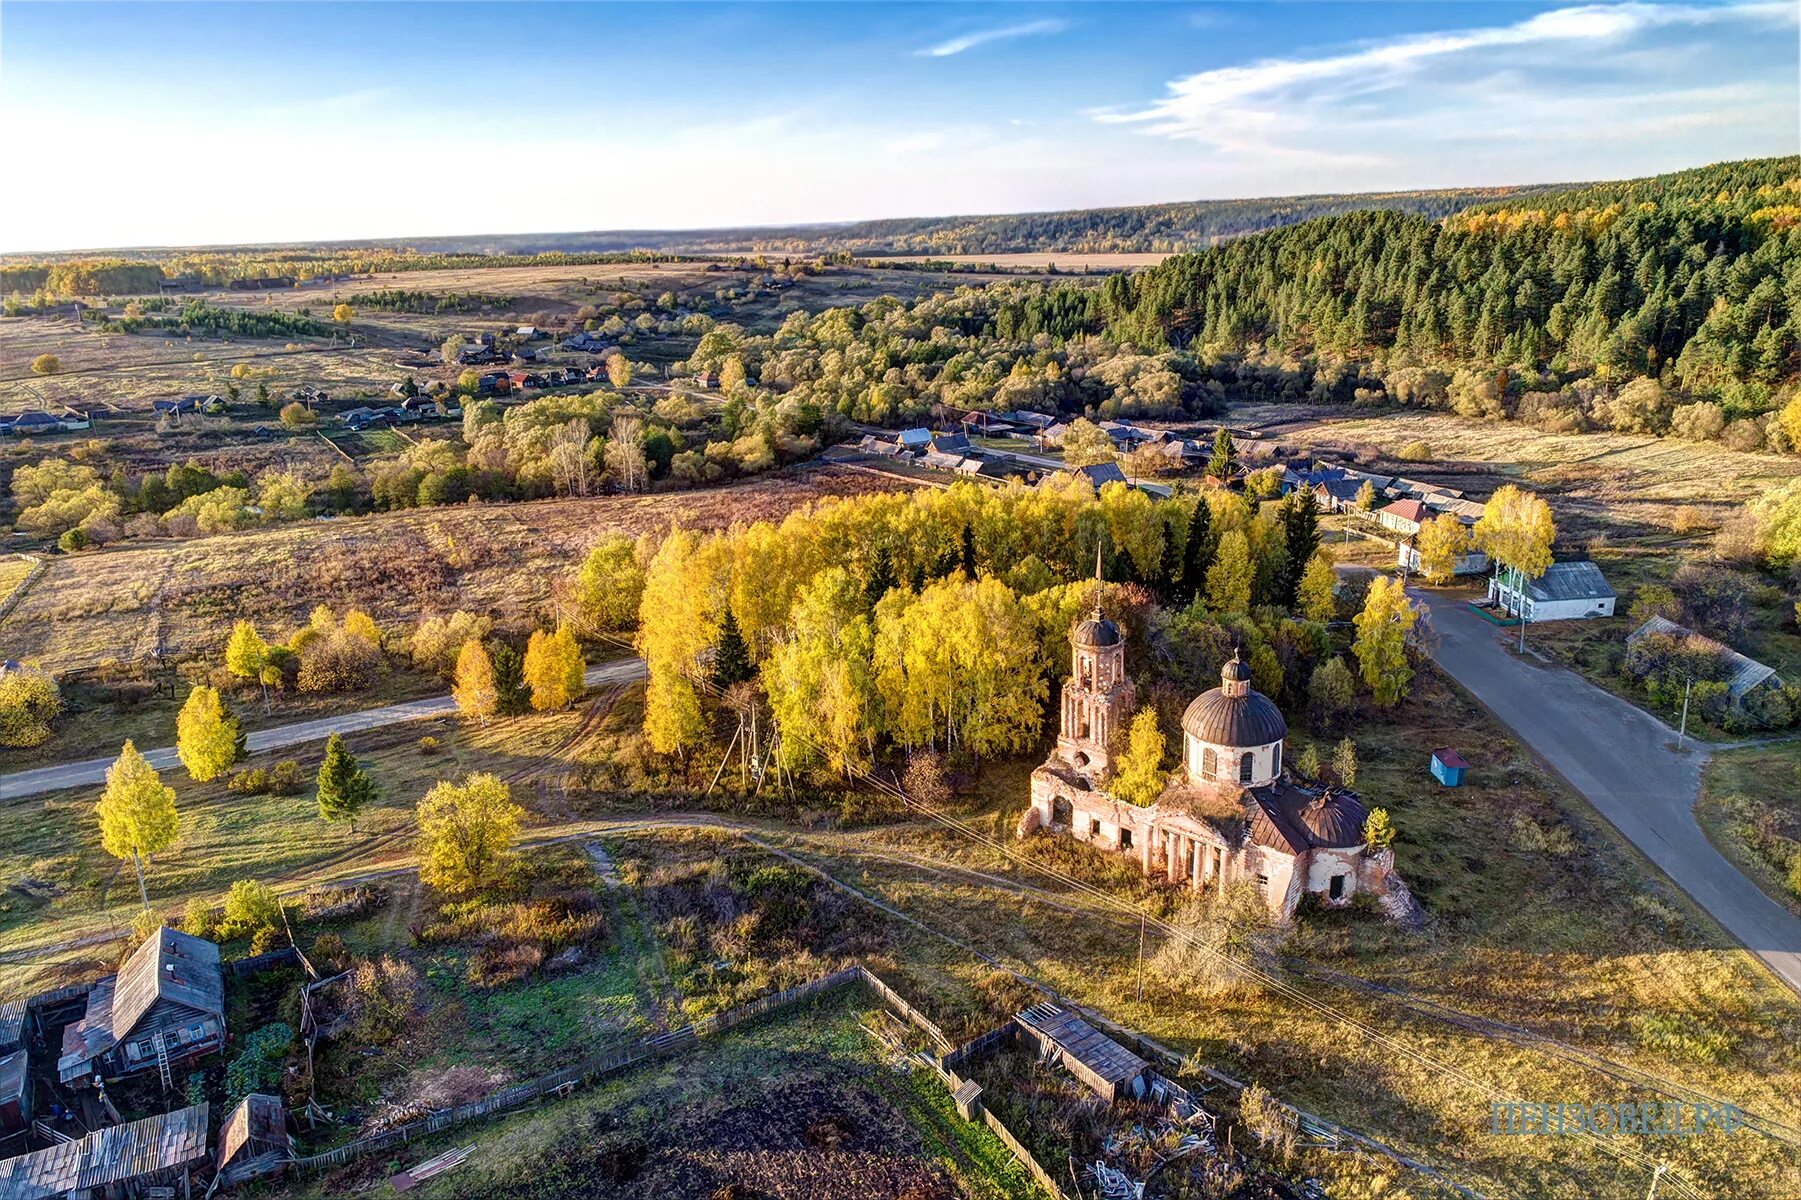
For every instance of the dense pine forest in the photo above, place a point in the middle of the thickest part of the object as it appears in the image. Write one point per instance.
(1691, 279)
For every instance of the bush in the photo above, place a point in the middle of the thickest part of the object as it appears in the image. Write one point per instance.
(73, 540)
(1415, 452)
(429, 744)
(250, 906)
(29, 701)
(338, 661)
(143, 928)
(249, 781)
(383, 996)
(285, 778)
(199, 920)
(259, 1067)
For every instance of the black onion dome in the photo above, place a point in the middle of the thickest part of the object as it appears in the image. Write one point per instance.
(1096, 632)
(1235, 671)
(1247, 720)
(1335, 820)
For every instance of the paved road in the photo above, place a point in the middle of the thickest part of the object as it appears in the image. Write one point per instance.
(93, 771)
(1622, 759)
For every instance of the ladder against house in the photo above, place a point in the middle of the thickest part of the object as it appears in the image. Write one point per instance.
(162, 1062)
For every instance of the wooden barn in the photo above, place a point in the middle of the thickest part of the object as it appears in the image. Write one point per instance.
(254, 1140)
(1097, 1060)
(166, 1005)
(124, 1161)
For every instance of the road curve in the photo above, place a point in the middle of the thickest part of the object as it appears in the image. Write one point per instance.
(1624, 761)
(93, 771)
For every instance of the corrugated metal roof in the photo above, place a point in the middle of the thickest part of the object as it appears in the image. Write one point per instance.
(123, 1152)
(1747, 673)
(1571, 581)
(87, 1039)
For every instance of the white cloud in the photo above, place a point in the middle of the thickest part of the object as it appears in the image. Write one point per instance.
(1347, 107)
(970, 41)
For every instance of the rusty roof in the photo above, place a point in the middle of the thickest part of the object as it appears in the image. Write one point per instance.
(1294, 818)
(89, 1038)
(114, 1155)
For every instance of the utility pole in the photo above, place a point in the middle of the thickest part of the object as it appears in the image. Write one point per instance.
(1656, 1175)
(1141, 958)
(1682, 734)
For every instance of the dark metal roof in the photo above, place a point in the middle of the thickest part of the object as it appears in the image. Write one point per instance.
(1449, 757)
(1248, 720)
(1571, 581)
(1095, 632)
(123, 1152)
(1294, 819)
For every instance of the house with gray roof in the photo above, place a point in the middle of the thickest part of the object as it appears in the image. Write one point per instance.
(1566, 591)
(166, 1005)
(1747, 674)
(163, 1151)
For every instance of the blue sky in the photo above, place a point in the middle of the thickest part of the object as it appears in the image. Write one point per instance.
(209, 123)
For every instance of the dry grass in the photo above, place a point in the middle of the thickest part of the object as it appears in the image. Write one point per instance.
(501, 559)
(1070, 259)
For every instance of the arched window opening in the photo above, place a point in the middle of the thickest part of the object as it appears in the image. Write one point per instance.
(1209, 764)
(1247, 764)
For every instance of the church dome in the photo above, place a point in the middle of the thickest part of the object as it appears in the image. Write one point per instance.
(1232, 714)
(1335, 820)
(1096, 632)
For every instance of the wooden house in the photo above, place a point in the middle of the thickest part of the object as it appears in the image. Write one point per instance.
(166, 1005)
(162, 1152)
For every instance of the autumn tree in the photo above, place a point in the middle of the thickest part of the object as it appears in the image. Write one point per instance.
(1317, 598)
(466, 834)
(1139, 776)
(1331, 692)
(1229, 578)
(619, 370)
(46, 364)
(475, 690)
(1344, 762)
(1378, 830)
(1086, 444)
(29, 701)
(1443, 543)
(297, 416)
(731, 374)
(1383, 629)
(342, 313)
(207, 738)
(627, 467)
(1367, 498)
(820, 682)
(359, 624)
(554, 668)
(344, 787)
(137, 812)
(610, 584)
(1516, 531)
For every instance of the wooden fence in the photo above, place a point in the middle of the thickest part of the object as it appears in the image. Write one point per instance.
(38, 567)
(563, 1081)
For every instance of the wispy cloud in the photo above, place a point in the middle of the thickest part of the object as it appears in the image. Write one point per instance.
(970, 41)
(1316, 107)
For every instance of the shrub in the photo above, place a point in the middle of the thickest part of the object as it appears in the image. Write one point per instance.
(429, 744)
(329, 952)
(73, 540)
(251, 905)
(1415, 452)
(259, 1067)
(143, 928)
(266, 939)
(1794, 874)
(29, 701)
(250, 781)
(285, 778)
(338, 661)
(383, 996)
(199, 920)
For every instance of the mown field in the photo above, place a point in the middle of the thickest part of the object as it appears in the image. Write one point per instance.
(500, 559)
(1750, 807)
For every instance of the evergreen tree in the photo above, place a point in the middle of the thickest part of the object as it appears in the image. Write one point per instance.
(512, 697)
(1197, 552)
(881, 576)
(731, 659)
(1300, 532)
(1224, 459)
(345, 788)
(969, 552)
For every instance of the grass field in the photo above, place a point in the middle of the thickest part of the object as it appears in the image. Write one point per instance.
(1751, 809)
(1074, 260)
(802, 1105)
(14, 571)
(501, 559)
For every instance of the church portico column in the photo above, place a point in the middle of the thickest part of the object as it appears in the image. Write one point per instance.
(1172, 856)
(1194, 865)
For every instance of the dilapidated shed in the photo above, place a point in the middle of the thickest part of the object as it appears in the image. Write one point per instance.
(254, 1139)
(15, 1094)
(12, 1025)
(160, 1151)
(1064, 1038)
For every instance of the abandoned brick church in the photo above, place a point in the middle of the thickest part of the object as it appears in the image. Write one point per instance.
(1233, 814)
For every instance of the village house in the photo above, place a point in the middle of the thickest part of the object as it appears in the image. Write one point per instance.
(1232, 814)
(1407, 557)
(1745, 674)
(157, 1156)
(1567, 591)
(165, 1006)
(1404, 517)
